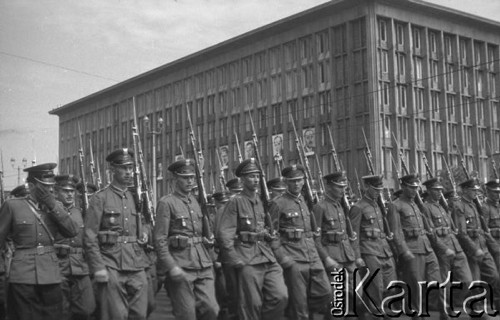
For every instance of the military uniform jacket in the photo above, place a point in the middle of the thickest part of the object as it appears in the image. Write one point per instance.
(443, 226)
(242, 233)
(491, 213)
(34, 260)
(334, 240)
(112, 213)
(71, 256)
(178, 233)
(367, 221)
(406, 222)
(291, 217)
(470, 234)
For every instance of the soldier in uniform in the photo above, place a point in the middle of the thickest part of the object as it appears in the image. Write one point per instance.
(491, 213)
(474, 239)
(276, 187)
(445, 230)
(372, 244)
(309, 288)
(181, 249)
(113, 240)
(226, 300)
(246, 245)
(78, 295)
(34, 290)
(411, 237)
(336, 250)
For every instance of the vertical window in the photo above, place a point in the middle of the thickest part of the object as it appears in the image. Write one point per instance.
(400, 34)
(416, 38)
(432, 42)
(382, 30)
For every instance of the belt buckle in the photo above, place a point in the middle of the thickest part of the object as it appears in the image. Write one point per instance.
(40, 250)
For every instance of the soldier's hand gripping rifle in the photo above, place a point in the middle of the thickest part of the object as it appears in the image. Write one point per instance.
(81, 158)
(484, 225)
(144, 198)
(266, 198)
(208, 234)
(222, 178)
(344, 201)
(381, 202)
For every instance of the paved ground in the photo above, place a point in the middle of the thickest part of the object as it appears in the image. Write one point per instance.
(164, 310)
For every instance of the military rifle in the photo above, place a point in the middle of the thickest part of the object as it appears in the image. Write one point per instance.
(240, 157)
(484, 225)
(2, 191)
(309, 196)
(418, 199)
(99, 180)
(322, 187)
(202, 194)
(381, 202)
(430, 175)
(337, 166)
(85, 191)
(222, 178)
(358, 184)
(311, 200)
(493, 164)
(92, 164)
(266, 198)
(144, 196)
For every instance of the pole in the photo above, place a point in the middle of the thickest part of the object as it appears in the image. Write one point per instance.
(154, 169)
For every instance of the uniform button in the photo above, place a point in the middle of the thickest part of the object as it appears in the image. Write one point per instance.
(40, 234)
(125, 207)
(126, 219)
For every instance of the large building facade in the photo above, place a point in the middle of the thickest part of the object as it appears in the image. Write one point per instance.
(410, 71)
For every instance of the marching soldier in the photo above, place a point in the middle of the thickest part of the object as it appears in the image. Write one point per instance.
(34, 290)
(78, 295)
(444, 228)
(309, 288)
(226, 300)
(473, 238)
(113, 244)
(372, 245)
(491, 213)
(245, 243)
(180, 248)
(411, 237)
(276, 187)
(335, 251)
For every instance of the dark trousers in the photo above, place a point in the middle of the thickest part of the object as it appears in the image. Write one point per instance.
(262, 293)
(78, 297)
(124, 296)
(309, 290)
(424, 267)
(34, 302)
(377, 289)
(193, 297)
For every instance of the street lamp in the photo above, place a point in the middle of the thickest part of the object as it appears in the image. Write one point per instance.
(154, 133)
(13, 163)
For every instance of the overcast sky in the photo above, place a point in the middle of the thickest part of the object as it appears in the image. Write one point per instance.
(53, 52)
